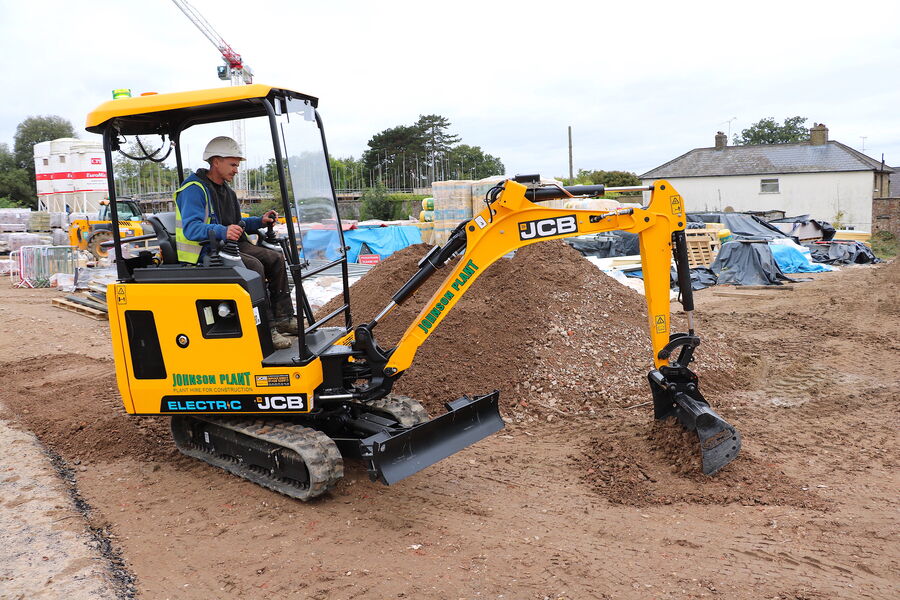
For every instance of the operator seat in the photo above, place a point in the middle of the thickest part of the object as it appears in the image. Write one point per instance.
(164, 227)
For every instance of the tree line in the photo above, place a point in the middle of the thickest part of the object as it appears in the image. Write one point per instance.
(400, 157)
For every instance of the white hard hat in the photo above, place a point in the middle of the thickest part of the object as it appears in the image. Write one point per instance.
(223, 146)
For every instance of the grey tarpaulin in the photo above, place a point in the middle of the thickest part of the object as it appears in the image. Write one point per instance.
(804, 227)
(702, 278)
(741, 225)
(841, 253)
(605, 245)
(747, 263)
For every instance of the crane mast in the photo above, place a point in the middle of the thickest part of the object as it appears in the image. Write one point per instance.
(234, 70)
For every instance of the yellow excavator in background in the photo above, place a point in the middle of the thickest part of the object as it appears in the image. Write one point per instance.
(92, 235)
(193, 341)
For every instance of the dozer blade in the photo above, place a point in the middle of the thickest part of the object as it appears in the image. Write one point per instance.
(720, 442)
(393, 456)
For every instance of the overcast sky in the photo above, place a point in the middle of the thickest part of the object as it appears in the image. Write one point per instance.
(639, 82)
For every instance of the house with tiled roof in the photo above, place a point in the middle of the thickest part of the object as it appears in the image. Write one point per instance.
(823, 178)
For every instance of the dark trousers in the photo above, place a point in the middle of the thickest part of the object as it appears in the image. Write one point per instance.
(270, 266)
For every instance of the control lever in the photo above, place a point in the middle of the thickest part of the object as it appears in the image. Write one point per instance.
(212, 258)
(230, 253)
(270, 240)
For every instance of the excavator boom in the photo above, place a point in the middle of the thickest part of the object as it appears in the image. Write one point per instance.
(515, 219)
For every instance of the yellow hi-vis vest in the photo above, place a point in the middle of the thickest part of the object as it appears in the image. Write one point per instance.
(188, 250)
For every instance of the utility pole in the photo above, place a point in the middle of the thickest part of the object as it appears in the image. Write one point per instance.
(571, 174)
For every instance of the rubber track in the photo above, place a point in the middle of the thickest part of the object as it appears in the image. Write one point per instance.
(319, 453)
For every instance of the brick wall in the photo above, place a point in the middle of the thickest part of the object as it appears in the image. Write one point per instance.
(886, 215)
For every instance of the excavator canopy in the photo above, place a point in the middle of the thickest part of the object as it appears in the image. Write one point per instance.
(156, 113)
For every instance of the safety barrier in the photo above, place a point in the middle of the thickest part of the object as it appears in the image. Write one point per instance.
(35, 265)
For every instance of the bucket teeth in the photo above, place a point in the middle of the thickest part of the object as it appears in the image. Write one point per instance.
(720, 443)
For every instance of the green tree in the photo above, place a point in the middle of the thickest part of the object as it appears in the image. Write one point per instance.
(769, 131)
(15, 185)
(393, 156)
(34, 130)
(376, 204)
(416, 155)
(348, 173)
(470, 162)
(437, 142)
(607, 178)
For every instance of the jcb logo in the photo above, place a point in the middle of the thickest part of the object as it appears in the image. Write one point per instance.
(547, 227)
(280, 403)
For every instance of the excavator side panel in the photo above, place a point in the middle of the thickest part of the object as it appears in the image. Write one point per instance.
(176, 355)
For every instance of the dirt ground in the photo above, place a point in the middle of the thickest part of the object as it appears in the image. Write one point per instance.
(581, 496)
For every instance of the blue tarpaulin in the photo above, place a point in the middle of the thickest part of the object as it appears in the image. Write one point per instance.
(384, 241)
(791, 260)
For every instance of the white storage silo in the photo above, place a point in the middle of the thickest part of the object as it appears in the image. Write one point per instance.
(60, 173)
(42, 173)
(88, 165)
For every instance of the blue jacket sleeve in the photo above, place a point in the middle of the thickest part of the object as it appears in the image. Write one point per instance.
(191, 203)
(253, 224)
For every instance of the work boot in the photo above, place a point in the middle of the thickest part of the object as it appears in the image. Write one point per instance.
(287, 325)
(279, 341)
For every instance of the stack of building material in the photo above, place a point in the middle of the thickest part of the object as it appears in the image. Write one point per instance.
(17, 240)
(59, 220)
(426, 221)
(480, 188)
(12, 220)
(39, 221)
(852, 235)
(452, 204)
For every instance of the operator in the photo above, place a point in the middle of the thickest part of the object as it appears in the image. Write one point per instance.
(206, 203)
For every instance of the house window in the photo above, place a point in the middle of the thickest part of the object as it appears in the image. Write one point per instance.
(768, 186)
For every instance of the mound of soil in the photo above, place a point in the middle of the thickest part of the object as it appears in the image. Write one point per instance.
(659, 463)
(549, 330)
(72, 404)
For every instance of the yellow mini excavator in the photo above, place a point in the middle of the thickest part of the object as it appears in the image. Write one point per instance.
(194, 341)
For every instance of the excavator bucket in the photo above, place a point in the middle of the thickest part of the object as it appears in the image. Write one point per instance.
(720, 442)
(393, 456)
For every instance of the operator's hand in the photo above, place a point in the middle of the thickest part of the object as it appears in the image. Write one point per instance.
(269, 217)
(234, 232)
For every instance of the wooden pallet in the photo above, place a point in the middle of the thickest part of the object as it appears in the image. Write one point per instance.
(700, 252)
(93, 313)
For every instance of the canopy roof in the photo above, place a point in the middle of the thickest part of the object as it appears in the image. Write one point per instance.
(158, 113)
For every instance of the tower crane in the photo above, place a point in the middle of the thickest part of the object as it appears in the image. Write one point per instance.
(234, 69)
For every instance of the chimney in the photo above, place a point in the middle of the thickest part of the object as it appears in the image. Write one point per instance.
(818, 135)
(721, 140)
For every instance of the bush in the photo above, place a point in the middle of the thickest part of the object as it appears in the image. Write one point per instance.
(376, 204)
(885, 244)
(406, 205)
(258, 210)
(8, 203)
